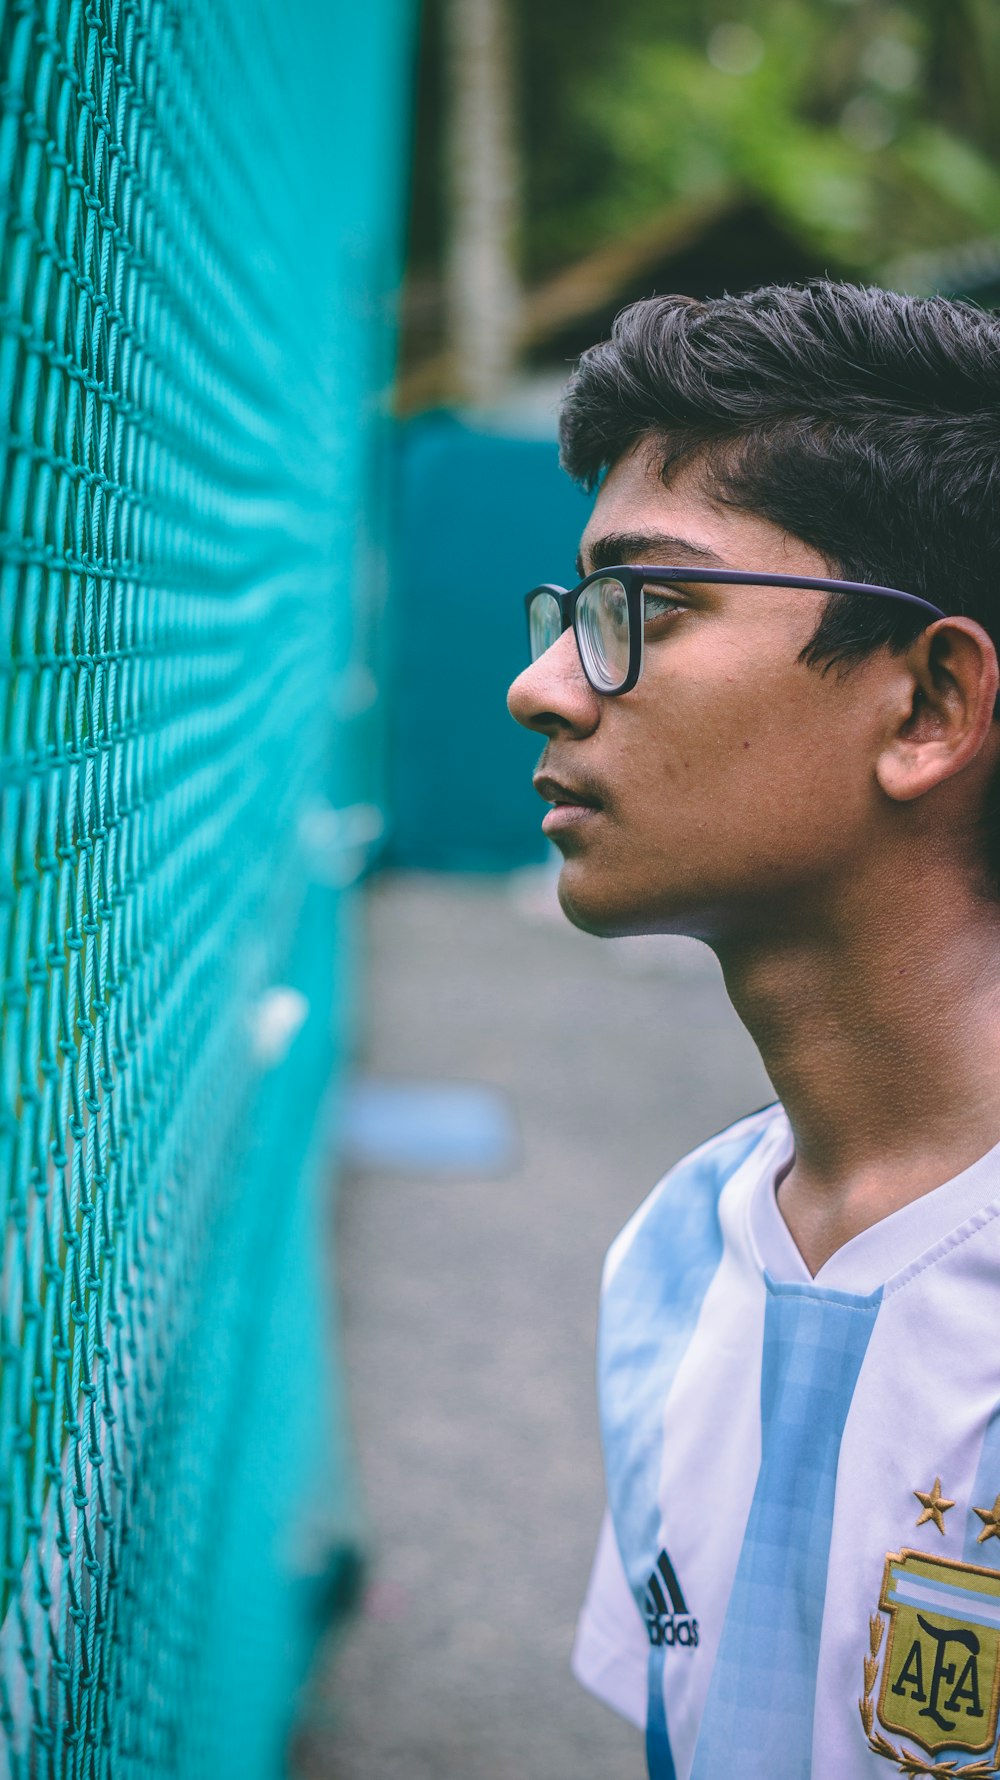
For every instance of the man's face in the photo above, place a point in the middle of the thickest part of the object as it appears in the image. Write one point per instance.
(733, 785)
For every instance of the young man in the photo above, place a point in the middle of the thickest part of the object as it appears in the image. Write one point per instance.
(800, 1332)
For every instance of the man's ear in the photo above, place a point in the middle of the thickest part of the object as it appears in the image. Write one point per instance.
(953, 679)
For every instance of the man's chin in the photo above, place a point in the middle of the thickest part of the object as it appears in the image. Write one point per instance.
(609, 917)
(611, 911)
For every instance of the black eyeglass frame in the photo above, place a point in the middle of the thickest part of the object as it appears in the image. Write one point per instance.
(635, 577)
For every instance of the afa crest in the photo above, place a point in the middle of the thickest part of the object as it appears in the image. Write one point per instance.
(938, 1676)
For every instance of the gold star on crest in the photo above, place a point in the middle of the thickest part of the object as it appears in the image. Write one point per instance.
(991, 1522)
(935, 1506)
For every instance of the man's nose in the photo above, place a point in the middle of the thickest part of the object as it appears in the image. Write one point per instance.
(554, 694)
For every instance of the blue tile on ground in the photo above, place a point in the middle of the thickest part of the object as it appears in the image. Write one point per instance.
(458, 1128)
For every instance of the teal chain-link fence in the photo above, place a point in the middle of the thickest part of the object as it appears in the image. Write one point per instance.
(198, 237)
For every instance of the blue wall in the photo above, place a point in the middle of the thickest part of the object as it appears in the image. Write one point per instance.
(482, 518)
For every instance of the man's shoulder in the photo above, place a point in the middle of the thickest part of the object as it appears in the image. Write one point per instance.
(683, 1206)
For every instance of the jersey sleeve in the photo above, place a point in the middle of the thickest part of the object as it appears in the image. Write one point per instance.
(611, 1652)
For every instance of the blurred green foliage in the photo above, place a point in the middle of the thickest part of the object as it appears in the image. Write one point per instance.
(868, 131)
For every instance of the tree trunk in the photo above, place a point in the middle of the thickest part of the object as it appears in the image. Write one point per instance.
(483, 293)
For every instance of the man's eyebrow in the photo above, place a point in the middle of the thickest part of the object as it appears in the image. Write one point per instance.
(649, 547)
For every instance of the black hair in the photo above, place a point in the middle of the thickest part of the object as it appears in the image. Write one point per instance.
(864, 422)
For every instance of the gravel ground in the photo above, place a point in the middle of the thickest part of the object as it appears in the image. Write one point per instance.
(469, 1309)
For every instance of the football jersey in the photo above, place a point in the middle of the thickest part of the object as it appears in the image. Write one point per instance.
(799, 1572)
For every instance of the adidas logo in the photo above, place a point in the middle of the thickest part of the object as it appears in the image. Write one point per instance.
(668, 1621)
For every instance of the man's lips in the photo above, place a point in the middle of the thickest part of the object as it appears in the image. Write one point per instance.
(555, 792)
(571, 805)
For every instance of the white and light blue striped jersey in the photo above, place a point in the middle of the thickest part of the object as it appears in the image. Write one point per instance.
(799, 1574)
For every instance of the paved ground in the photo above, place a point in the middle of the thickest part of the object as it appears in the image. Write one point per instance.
(470, 1307)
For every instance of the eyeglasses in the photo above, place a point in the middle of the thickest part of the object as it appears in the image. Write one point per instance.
(609, 611)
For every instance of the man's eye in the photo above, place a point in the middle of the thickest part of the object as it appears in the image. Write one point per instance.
(658, 605)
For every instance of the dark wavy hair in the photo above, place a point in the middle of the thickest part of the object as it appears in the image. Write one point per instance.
(864, 422)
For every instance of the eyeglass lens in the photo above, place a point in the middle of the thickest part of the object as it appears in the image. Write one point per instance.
(602, 627)
(545, 623)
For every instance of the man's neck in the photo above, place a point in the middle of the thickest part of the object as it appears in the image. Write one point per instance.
(881, 1035)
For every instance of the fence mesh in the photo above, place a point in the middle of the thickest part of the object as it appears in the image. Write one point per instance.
(196, 234)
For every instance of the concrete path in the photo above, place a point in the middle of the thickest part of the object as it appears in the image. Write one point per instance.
(470, 1306)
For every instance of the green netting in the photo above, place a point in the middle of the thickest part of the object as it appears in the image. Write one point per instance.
(197, 235)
